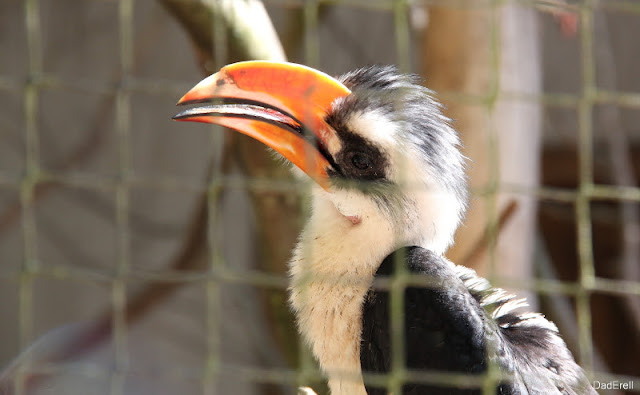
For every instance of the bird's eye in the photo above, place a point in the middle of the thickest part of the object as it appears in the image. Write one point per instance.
(360, 161)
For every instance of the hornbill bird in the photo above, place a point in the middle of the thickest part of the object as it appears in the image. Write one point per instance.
(389, 193)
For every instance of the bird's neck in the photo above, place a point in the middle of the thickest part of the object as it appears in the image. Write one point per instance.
(331, 245)
(331, 270)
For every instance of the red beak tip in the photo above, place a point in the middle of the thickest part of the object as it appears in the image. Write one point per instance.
(183, 99)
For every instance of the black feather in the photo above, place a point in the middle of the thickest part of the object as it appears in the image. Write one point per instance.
(447, 327)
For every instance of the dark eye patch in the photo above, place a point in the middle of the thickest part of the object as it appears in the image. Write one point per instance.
(359, 159)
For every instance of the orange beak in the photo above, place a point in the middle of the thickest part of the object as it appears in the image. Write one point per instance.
(283, 105)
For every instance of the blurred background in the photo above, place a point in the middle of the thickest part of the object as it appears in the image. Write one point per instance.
(139, 255)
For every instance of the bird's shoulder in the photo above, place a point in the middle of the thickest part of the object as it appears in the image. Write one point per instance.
(464, 319)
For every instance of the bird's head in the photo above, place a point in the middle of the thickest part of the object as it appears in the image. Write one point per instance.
(374, 141)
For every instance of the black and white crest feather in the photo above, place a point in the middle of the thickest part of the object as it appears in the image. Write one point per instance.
(457, 324)
(404, 101)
